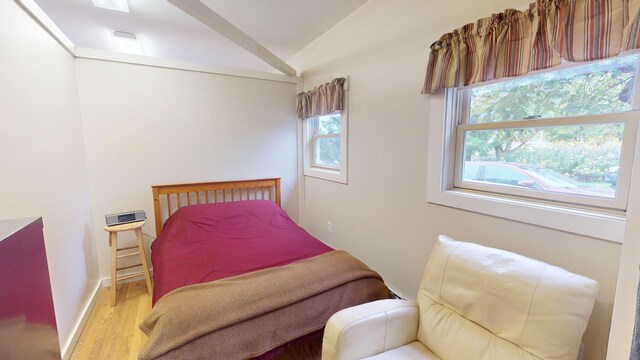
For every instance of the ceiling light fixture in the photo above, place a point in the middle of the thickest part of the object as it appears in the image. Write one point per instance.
(127, 43)
(118, 5)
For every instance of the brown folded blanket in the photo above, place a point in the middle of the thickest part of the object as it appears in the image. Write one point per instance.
(246, 315)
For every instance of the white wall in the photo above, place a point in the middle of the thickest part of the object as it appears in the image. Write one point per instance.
(382, 216)
(148, 126)
(42, 157)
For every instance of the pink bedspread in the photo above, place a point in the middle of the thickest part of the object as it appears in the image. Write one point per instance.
(201, 243)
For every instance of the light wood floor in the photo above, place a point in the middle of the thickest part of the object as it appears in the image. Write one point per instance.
(112, 332)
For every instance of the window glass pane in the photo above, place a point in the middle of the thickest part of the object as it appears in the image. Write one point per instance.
(496, 173)
(574, 159)
(329, 124)
(471, 171)
(328, 151)
(594, 88)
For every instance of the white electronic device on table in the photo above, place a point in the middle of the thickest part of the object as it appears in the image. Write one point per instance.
(125, 217)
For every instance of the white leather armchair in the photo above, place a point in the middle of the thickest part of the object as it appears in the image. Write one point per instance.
(474, 303)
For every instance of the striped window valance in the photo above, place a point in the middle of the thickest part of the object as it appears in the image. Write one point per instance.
(324, 99)
(514, 42)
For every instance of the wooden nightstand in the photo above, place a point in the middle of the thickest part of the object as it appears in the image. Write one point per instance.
(113, 243)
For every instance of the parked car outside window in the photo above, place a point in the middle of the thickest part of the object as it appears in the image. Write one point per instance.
(529, 177)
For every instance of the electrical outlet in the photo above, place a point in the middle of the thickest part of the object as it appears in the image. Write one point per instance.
(329, 229)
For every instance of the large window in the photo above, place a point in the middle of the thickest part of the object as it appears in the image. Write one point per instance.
(560, 141)
(325, 150)
(556, 136)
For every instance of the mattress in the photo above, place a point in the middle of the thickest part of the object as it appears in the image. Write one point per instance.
(203, 243)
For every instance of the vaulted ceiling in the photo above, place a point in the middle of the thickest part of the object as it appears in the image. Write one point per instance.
(284, 27)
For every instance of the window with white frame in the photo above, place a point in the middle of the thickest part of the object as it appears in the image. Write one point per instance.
(325, 150)
(563, 138)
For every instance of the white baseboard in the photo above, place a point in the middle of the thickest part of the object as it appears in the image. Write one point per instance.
(106, 281)
(70, 345)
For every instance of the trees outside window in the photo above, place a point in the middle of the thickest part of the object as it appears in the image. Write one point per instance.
(326, 141)
(325, 146)
(571, 123)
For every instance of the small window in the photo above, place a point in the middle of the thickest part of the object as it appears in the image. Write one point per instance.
(563, 136)
(325, 150)
(326, 141)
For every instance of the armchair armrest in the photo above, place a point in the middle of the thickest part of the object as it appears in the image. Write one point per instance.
(369, 329)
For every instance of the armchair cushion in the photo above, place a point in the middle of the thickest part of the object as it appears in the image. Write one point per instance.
(500, 305)
(369, 329)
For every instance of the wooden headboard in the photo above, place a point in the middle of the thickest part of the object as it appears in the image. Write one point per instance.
(169, 198)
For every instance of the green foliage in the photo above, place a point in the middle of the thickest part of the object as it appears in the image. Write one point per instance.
(583, 152)
(329, 124)
(586, 161)
(328, 149)
(584, 90)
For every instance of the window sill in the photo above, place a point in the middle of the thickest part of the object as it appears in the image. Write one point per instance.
(601, 225)
(326, 174)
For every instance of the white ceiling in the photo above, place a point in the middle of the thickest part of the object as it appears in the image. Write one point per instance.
(284, 27)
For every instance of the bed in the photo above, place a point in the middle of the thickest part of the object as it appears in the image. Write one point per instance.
(236, 278)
